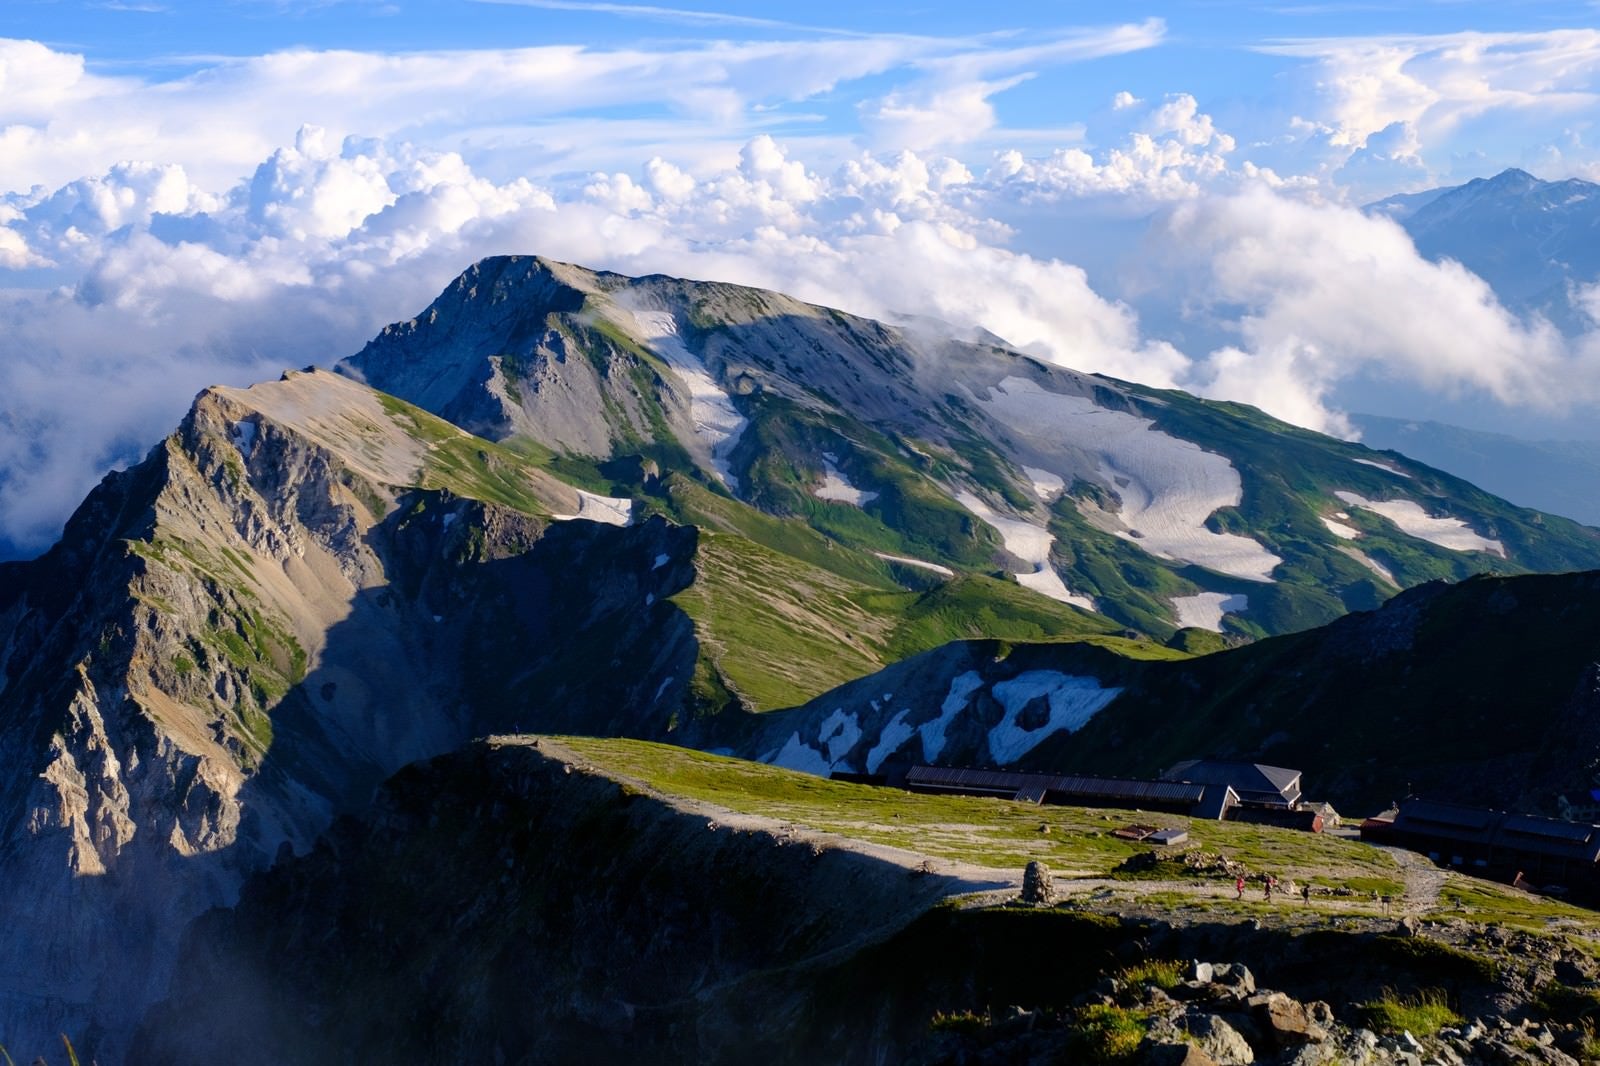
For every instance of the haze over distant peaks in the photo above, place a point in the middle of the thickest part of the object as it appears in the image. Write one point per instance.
(1529, 239)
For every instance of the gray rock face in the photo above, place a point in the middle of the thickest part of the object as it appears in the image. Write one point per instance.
(238, 639)
(1219, 1040)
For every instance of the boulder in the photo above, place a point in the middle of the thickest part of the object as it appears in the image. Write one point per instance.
(1221, 1041)
(1234, 975)
(1038, 888)
(1284, 1022)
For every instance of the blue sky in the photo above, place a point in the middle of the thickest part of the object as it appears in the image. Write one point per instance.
(1229, 54)
(194, 193)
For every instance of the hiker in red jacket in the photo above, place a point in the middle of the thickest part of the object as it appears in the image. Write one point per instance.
(1239, 887)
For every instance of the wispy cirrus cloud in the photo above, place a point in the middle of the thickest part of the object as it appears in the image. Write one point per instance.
(60, 120)
(683, 16)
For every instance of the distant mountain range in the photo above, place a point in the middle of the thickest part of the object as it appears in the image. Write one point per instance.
(1529, 239)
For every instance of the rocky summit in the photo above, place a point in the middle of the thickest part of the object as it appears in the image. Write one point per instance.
(248, 813)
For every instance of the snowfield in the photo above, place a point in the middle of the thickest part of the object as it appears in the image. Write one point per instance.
(717, 422)
(1413, 521)
(1204, 610)
(1168, 487)
(1031, 544)
(1072, 701)
(835, 486)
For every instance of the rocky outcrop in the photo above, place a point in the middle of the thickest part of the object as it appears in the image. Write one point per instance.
(240, 637)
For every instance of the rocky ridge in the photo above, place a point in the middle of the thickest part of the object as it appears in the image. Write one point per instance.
(187, 681)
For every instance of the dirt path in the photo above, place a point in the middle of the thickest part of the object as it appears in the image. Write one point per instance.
(1424, 881)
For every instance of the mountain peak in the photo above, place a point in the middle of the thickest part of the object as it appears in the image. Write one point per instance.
(1513, 178)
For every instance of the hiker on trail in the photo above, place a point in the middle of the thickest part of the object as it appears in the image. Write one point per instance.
(1305, 893)
(1266, 887)
(1239, 887)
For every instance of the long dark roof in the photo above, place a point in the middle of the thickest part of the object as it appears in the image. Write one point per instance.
(1243, 776)
(1016, 781)
(1520, 832)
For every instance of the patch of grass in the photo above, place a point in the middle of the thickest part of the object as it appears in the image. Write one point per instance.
(782, 629)
(1588, 1043)
(1108, 1034)
(467, 465)
(1365, 886)
(779, 630)
(1486, 902)
(1194, 641)
(1421, 1014)
(965, 1022)
(1572, 1006)
(1165, 974)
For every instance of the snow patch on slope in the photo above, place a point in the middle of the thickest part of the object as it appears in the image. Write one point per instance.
(1072, 701)
(839, 731)
(1031, 544)
(1205, 610)
(610, 510)
(1396, 471)
(1371, 564)
(1168, 486)
(796, 754)
(1413, 521)
(920, 563)
(835, 486)
(717, 422)
(894, 733)
(1339, 529)
(1046, 486)
(956, 700)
